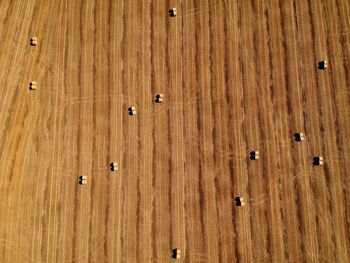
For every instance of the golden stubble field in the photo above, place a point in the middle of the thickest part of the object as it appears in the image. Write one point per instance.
(237, 76)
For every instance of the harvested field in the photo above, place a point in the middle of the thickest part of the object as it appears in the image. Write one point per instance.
(237, 76)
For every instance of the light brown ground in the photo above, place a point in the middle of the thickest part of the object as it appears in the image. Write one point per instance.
(237, 75)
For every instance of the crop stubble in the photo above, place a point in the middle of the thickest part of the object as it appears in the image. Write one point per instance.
(236, 76)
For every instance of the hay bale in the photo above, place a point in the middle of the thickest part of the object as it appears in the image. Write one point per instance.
(172, 12)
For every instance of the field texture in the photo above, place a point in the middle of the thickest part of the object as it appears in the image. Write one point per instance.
(237, 76)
